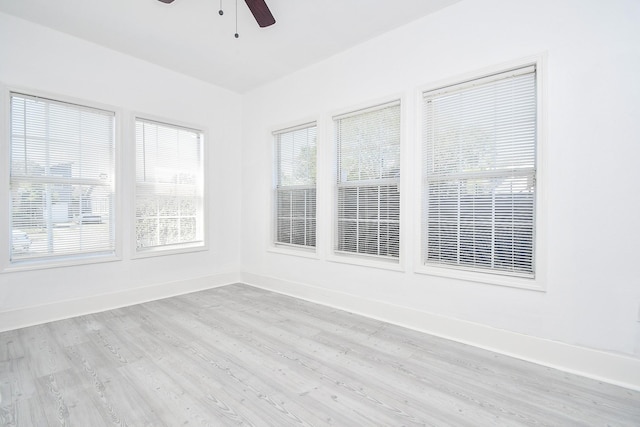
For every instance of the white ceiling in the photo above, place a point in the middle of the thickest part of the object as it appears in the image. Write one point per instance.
(189, 36)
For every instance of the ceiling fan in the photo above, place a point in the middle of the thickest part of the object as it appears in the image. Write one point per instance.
(259, 9)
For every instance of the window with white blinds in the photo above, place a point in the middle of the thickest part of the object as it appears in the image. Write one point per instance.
(479, 159)
(368, 184)
(61, 179)
(295, 193)
(169, 187)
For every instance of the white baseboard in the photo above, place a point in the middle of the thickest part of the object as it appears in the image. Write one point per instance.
(599, 365)
(34, 315)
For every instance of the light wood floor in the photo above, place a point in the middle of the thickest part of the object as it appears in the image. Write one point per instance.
(238, 355)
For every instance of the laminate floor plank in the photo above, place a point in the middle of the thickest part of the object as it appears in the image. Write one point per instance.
(68, 331)
(216, 386)
(66, 401)
(44, 355)
(269, 367)
(474, 361)
(242, 356)
(171, 355)
(256, 359)
(10, 346)
(369, 362)
(249, 367)
(114, 347)
(243, 378)
(334, 366)
(26, 412)
(109, 389)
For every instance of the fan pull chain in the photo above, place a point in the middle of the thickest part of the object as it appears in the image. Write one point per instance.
(221, 12)
(237, 35)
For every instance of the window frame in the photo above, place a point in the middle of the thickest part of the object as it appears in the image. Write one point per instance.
(282, 247)
(354, 258)
(6, 264)
(182, 248)
(538, 281)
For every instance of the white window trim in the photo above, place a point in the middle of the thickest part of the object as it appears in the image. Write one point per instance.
(186, 247)
(6, 266)
(538, 282)
(372, 261)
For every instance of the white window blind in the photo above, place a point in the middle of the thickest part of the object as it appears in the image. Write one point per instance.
(61, 179)
(368, 187)
(479, 157)
(296, 186)
(169, 186)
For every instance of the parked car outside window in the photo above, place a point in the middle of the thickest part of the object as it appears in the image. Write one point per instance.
(20, 241)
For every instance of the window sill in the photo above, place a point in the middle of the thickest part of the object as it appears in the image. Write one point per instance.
(162, 251)
(304, 252)
(41, 264)
(367, 261)
(532, 284)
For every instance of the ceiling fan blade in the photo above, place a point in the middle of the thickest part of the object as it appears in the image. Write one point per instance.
(260, 11)
(166, 1)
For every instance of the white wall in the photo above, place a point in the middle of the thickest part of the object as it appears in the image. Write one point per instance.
(37, 58)
(590, 166)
